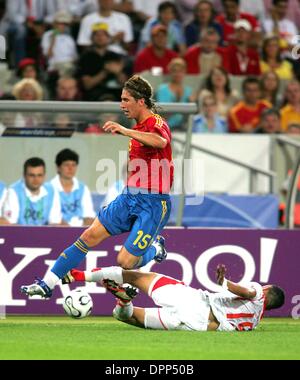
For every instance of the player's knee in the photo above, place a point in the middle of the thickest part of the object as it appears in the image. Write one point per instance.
(90, 236)
(125, 262)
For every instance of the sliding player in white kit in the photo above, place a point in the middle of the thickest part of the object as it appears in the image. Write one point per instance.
(181, 307)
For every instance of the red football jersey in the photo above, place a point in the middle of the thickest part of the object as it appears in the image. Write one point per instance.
(242, 114)
(151, 168)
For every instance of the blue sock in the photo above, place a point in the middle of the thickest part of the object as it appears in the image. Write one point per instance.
(147, 257)
(70, 258)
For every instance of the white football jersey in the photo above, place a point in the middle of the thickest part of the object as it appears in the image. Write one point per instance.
(237, 313)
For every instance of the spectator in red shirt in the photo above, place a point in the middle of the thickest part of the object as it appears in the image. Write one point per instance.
(243, 59)
(231, 15)
(203, 57)
(157, 54)
(245, 116)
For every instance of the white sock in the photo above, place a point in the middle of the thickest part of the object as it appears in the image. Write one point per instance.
(96, 276)
(51, 279)
(123, 311)
(110, 273)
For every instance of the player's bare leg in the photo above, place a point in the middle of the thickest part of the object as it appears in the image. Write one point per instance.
(95, 234)
(139, 280)
(137, 319)
(126, 260)
(124, 311)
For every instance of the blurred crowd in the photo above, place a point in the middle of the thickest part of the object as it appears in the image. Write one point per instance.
(31, 200)
(85, 50)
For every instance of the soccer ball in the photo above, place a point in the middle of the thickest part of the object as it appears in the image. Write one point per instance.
(78, 304)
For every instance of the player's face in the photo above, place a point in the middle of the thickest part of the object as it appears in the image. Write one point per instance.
(266, 289)
(67, 170)
(34, 177)
(129, 105)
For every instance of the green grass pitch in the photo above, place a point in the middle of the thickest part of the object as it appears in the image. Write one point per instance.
(104, 338)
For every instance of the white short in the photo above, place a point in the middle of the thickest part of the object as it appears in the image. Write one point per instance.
(181, 307)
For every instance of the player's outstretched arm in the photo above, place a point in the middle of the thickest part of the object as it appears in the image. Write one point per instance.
(234, 288)
(146, 138)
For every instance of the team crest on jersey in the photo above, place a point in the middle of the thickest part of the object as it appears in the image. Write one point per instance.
(158, 121)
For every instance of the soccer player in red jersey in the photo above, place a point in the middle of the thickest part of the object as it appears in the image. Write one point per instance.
(143, 208)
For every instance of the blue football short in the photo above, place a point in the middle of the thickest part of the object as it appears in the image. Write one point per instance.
(143, 214)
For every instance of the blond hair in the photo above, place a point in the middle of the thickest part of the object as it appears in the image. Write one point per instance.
(177, 62)
(18, 87)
